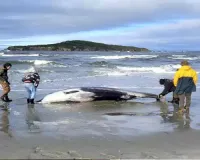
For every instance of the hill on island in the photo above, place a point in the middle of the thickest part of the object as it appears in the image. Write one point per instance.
(76, 45)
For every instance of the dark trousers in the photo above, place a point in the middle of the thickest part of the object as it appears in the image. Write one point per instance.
(175, 95)
(184, 100)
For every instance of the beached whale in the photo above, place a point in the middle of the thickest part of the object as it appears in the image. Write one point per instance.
(87, 94)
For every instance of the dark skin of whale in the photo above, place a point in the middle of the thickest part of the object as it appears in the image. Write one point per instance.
(109, 94)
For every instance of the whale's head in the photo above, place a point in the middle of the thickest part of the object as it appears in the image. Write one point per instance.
(70, 95)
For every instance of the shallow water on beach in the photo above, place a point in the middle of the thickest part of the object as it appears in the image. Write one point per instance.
(129, 71)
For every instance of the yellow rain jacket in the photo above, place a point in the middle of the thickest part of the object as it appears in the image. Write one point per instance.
(185, 80)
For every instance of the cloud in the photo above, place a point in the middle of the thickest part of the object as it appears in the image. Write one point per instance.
(23, 19)
(184, 34)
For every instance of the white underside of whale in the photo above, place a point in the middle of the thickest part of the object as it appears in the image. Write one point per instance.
(61, 96)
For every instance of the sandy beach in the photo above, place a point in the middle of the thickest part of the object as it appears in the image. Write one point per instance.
(35, 138)
(178, 144)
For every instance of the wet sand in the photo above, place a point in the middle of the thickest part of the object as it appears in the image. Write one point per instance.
(162, 145)
(98, 130)
(183, 142)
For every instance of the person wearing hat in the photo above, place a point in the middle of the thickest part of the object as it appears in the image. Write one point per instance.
(31, 81)
(4, 82)
(168, 87)
(185, 80)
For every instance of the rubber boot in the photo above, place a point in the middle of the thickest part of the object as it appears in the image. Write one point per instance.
(3, 98)
(181, 111)
(7, 99)
(32, 101)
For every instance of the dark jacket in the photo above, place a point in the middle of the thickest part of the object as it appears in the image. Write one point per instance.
(168, 87)
(185, 80)
(33, 78)
(3, 75)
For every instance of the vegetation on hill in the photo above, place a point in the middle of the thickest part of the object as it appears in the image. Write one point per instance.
(76, 45)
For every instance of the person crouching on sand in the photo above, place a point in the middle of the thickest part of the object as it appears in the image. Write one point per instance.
(4, 82)
(31, 82)
(168, 87)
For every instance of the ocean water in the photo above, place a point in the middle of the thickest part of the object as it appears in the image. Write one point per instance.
(63, 70)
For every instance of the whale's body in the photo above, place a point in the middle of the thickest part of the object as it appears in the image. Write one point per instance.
(86, 94)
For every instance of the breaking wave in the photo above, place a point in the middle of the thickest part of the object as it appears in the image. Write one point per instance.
(41, 63)
(19, 55)
(125, 57)
(184, 57)
(31, 70)
(122, 71)
(160, 69)
(54, 123)
(101, 64)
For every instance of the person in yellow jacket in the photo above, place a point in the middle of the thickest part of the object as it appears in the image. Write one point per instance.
(185, 81)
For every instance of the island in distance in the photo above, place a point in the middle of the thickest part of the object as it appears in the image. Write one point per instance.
(77, 45)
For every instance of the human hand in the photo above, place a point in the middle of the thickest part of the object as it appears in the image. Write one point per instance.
(160, 96)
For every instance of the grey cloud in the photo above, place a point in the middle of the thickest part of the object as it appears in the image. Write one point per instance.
(43, 17)
(183, 34)
(24, 18)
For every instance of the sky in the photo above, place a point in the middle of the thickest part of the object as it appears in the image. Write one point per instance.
(153, 24)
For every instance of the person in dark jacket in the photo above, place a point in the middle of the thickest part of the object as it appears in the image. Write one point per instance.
(31, 82)
(185, 80)
(4, 82)
(168, 87)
